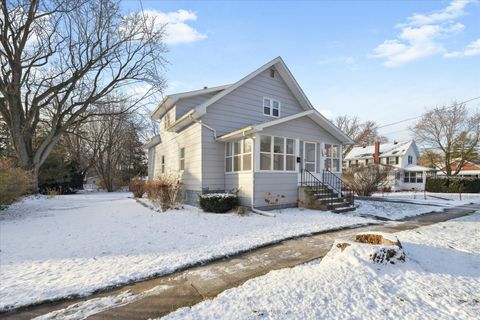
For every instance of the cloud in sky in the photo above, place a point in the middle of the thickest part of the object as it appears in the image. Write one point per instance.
(472, 49)
(177, 29)
(422, 36)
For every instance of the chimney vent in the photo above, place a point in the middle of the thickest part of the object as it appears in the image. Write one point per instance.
(204, 88)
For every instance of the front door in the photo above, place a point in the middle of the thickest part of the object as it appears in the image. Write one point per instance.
(310, 156)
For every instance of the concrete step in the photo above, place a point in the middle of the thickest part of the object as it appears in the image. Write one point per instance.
(345, 209)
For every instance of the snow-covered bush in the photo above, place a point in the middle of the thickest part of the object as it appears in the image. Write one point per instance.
(164, 191)
(137, 187)
(15, 182)
(218, 202)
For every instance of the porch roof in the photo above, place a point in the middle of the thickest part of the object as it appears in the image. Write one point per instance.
(415, 167)
(312, 114)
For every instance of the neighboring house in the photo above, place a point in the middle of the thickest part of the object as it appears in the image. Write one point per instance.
(401, 156)
(469, 169)
(255, 135)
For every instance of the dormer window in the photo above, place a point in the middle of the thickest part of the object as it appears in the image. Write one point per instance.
(410, 159)
(271, 107)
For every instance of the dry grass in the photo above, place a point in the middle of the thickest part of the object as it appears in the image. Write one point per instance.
(14, 182)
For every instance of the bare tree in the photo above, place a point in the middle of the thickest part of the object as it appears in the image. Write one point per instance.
(362, 133)
(112, 146)
(365, 180)
(454, 132)
(60, 59)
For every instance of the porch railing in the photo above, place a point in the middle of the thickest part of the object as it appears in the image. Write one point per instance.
(339, 186)
(330, 183)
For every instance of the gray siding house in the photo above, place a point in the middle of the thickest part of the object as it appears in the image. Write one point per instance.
(256, 135)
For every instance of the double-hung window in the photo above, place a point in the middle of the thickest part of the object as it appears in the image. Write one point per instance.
(238, 156)
(271, 107)
(181, 164)
(410, 159)
(277, 154)
(332, 157)
(162, 166)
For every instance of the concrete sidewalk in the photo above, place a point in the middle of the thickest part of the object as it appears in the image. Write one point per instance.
(193, 285)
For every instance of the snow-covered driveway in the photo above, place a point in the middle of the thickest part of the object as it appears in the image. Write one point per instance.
(72, 245)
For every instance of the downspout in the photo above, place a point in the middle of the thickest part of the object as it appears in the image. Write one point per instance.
(206, 126)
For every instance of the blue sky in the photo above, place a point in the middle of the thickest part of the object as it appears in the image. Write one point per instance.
(383, 61)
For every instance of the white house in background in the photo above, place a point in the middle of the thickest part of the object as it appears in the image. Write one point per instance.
(256, 135)
(402, 156)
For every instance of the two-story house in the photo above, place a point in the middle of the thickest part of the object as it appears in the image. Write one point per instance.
(401, 156)
(255, 135)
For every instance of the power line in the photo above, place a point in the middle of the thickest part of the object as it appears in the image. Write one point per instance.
(417, 117)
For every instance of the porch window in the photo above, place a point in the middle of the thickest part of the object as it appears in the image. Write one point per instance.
(182, 159)
(332, 157)
(277, 153)
(413, 177)
(238, 156)
(271, 107)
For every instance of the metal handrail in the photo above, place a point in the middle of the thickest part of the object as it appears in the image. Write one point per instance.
(339, 186)
(317, 186)
(325, 188)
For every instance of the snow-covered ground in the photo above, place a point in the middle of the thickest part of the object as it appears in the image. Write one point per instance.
(416, 203)
(74, 244)
(392, 210)
(439, 280)
(443, 199)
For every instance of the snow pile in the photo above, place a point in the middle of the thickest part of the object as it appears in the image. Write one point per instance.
(436, 281)
(217, 195)
(75, 244)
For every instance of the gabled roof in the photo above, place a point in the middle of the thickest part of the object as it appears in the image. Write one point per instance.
(312, 114)
(286, 75)
(394, 149)
(291, 83)
(170, 100)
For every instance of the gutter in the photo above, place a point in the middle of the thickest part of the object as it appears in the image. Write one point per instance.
(204, 125)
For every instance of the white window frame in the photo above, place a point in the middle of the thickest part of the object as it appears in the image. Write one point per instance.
(162, 164)
(413, 175)
(270, 114)
(242, 154)
(330, 158)
(409, 159)
(272, 153)
(181, 160)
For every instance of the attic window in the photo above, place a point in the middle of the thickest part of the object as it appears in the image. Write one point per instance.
(272, 73)
(271, 107)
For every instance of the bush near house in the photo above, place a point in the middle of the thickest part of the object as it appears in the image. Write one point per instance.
(218, 202)
(453, 184)
(164, 191)
(137, 187)
(15, 182)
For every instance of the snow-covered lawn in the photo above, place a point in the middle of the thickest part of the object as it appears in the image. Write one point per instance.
(444, 199)
(72, 245)
(439, 280)
(392, 210)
